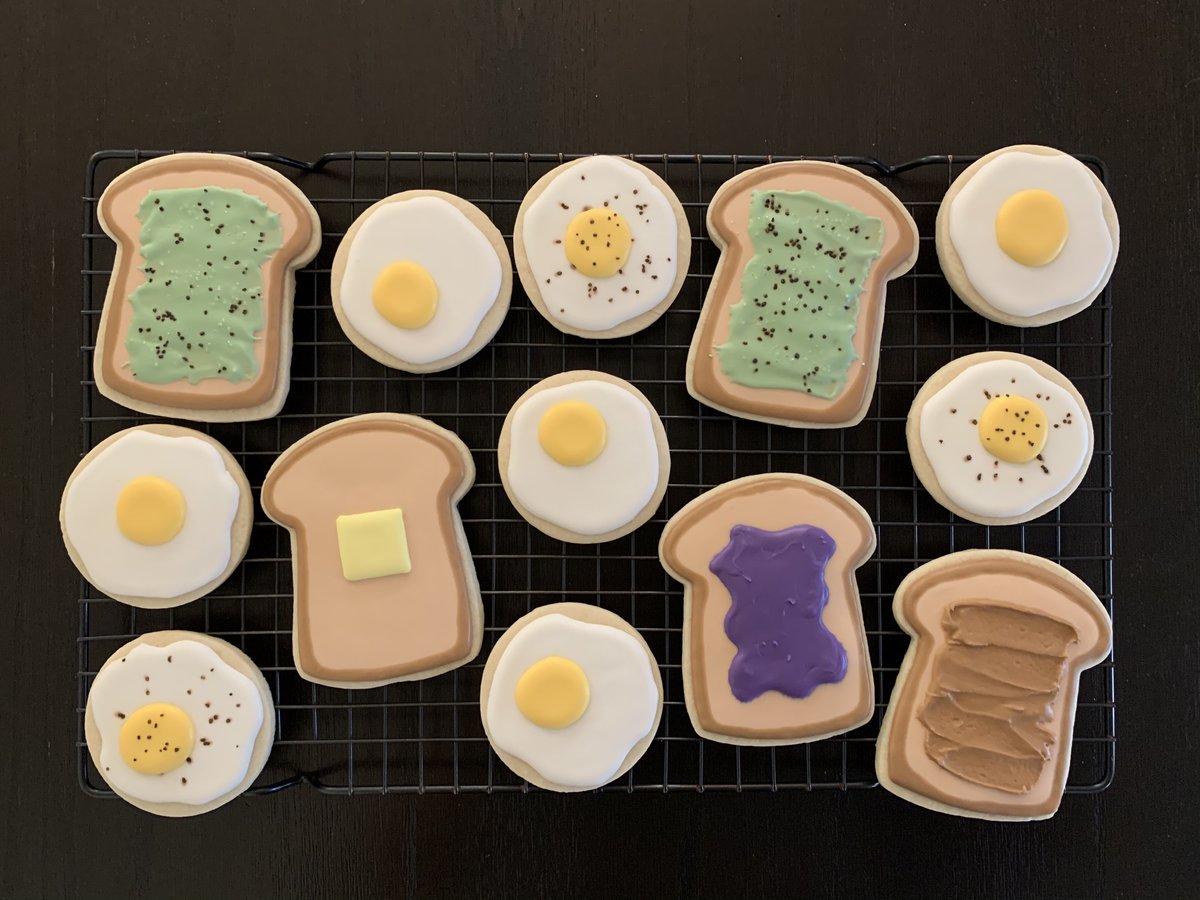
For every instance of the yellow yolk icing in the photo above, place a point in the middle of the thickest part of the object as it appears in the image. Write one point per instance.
(405, 294)
(597, 242)
(553, 692)
(1031, 227)
(157, 738)
(1013, 428)
(572, 432)
(373, 544)
(150, 510)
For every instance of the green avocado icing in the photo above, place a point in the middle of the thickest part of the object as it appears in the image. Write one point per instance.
(794, 326)
(200, 308)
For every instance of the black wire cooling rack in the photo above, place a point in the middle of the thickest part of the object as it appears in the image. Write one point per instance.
(427, 736)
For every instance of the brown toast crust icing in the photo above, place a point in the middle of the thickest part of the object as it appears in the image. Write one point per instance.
(211, 399)
(691, 539)
(981, 716)
(727, 219)
(379, 630)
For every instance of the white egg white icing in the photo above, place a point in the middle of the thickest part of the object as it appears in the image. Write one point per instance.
(200, 551)
(598, 304)
(621, 707)
(438, 236)
(597, 497)
(983, 484)
(224, 705)
(1003, 282)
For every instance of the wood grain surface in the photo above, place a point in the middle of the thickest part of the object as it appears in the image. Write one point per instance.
(887, 78)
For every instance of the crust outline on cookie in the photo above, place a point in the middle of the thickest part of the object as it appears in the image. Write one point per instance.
(638, 322)
(864, 707)
(584, 613)
(924, 469)
(451, 494)
(263, 396)
(262, 742)
(239, 532)
(795, 409)
(660, 439)
(956, 275)
(488, 325)
(1070, 690)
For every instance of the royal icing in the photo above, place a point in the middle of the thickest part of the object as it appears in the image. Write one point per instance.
(384, 584)
(419, 279)
(981, 716)
(775, 648)
(199, 310)
(975, 432)
(177, 724)
(794, 326)
(151, 515)
(544, 725)
(586, 496)
(601, 243)
(1030, 232)
(777, 590)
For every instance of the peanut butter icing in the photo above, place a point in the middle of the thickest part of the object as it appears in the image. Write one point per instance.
(690, 542)
(728, 215)
(118, 214)
(982, 714)
(388, 628)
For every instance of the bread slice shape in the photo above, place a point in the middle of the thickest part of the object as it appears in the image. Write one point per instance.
(396, 625)
(728, 222)
(715, 526)
(979, 723)
(213, 398)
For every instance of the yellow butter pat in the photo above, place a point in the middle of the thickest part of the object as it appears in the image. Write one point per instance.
(373, 544)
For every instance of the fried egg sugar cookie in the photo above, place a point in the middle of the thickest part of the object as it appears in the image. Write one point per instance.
(571, 697)
(583, 457)
(999, 438)
(179, 723)
(156, 516)
(602, 246)
(1027, 235)
(421, 281)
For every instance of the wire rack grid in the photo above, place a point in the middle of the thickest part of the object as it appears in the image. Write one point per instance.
(427, 736)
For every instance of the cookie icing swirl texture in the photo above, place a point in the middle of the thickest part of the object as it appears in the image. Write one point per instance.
(992, 694)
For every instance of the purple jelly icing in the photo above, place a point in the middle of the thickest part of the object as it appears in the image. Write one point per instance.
(777, 582)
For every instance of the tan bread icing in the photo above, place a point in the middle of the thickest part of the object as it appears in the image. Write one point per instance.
(992, 694)
(697, 533)
(117, 210)
(728, 216)
(1006, 598)
(377, 629)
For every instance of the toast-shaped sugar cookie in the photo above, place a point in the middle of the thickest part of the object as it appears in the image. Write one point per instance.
(790, 328)
(570, 697)
(179, 723)
(384, 585)
(157, 515)
(421, 281)
(979, 723)
(1027, 235)
(197, 321)
(774, 649)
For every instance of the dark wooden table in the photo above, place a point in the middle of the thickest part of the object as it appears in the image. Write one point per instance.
(886, 78)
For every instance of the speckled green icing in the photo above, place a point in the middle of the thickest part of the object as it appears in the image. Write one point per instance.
(200, 308)
(794, 326)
